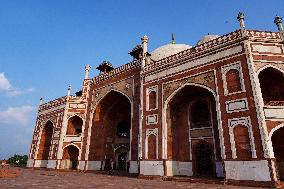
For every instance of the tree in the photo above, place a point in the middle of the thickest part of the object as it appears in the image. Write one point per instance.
(18, 160)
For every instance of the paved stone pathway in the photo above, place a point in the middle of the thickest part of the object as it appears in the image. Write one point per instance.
(30, 179)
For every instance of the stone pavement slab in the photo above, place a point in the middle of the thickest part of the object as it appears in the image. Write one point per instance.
(46, 179)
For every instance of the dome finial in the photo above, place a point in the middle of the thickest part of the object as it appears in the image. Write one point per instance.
(241, 19)
(173, 39)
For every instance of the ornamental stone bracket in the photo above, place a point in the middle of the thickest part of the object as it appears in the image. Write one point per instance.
(207, 79)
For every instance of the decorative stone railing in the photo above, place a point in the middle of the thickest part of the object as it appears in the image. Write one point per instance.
(263, 34)
(126, 67)
(54, 103)
(208, 46)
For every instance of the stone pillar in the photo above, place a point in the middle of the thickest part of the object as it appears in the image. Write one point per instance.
(87, 69)
(278, 22)
(144, 40)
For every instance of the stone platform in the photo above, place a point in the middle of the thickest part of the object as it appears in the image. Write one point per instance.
(29, 179)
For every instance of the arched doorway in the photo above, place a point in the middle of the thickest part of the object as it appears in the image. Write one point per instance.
(45, 142)
(203, 161)
(111, 130)
(70, 157)
(192, 131)
(278, 149)
(121, 156)
(272, 86)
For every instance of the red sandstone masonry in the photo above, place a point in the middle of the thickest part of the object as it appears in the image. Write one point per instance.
(132, 70)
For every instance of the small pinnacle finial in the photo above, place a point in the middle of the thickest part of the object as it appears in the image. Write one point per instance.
(40, 101)
(241, 16)
(278, 22)
(144, 50)
(87, 69)
(241, 19)
(69, 90)
(145, 39)
(173, 38)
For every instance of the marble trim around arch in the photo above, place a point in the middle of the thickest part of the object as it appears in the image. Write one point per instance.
(184, 82)
(204, 78)
(126, 88)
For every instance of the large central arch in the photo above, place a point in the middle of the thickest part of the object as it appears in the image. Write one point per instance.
(192, 131)
(111, 129)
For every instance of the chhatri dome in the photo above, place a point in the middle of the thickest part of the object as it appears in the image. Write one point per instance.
(173, 48)
(168, 50)
(206, 38)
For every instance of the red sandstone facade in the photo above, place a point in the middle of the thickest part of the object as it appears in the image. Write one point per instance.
(214, 110)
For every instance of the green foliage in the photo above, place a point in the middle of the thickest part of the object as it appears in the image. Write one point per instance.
(18, 160)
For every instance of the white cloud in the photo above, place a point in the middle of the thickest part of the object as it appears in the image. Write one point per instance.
(16, 115)
(5, 85)
(9, 89)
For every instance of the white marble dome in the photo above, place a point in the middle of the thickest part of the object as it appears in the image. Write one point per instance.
(168, 50)
(207, 38)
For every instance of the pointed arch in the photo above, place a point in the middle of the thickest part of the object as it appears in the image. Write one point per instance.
(188, 84)
(272, 91)
(164, 116)
(276, 136)
(75, 125)
(70, 157)
(45, 140)
(275, 129)
(48, 120)
(179, 118)
(72, 145)
(269, 66)
(110, 127)
(113, 90)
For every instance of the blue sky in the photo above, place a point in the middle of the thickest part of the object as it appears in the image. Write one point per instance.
(45, 45)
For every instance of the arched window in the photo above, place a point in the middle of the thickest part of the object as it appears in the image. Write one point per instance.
(200, 115)
(272, 86)
(152, 100)
(74, 126)
(233, 81)
(242, 142)
(123, 129)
